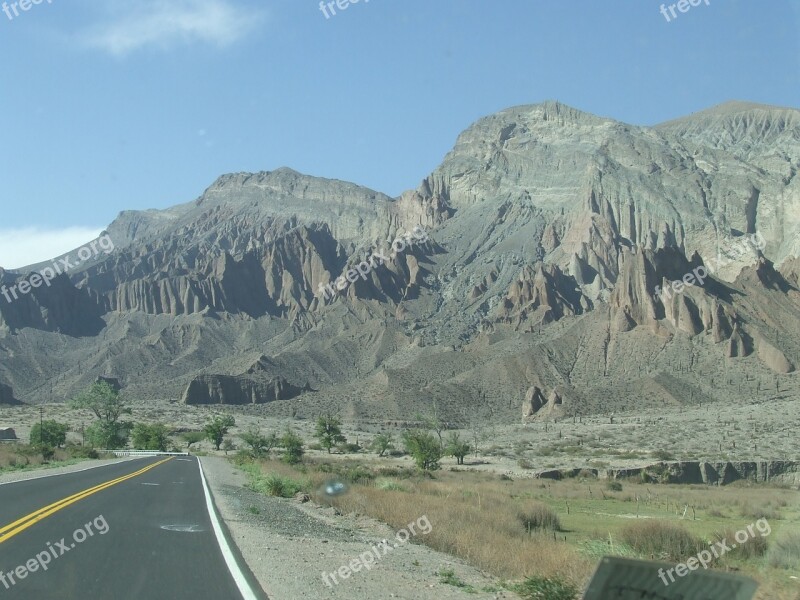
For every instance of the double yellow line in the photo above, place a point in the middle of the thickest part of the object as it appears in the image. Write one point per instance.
(22, 524)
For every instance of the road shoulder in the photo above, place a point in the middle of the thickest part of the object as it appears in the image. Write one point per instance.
(288, 545)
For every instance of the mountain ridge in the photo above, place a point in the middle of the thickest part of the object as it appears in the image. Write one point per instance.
(542, 219)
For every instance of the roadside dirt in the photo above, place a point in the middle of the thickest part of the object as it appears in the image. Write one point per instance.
(289, 545)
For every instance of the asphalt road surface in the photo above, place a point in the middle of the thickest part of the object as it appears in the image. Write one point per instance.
(139, 530)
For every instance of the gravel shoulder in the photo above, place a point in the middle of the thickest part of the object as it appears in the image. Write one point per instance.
(288, 545)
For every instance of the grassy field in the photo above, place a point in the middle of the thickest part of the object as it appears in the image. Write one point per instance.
(517, 529)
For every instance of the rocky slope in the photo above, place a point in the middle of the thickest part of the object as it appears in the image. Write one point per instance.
(548, 281)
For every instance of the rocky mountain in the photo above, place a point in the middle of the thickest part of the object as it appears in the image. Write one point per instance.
(570, 264)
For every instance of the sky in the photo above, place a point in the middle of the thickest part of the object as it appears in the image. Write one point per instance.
(112, 105)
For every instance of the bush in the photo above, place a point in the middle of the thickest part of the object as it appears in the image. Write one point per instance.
(424, 447)
(661, 540)
(348, 448)
(329, 432)
(540, 516)
(273, 484)
(754, 547)
(357, 474)
(82, 452)
(663, 455)
(546, 588)
(292, 447)
(762, 512)
(259, 443)
(614, 486)
(217, 427)
(784, 553)
(389, 485)
(282, 487)
(150, 437)
(49, 433)
(108, 436)
(524, 463)
(382, 443)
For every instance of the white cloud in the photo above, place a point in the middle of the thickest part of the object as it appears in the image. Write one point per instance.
(164, 23)
(23, 247)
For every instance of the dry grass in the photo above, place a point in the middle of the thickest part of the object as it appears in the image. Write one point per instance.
(661, 540)
(479, 525)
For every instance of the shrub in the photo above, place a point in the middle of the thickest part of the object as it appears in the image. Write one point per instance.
(424, 447)
(49, 433)
(150, 437)
(275, 485)
(348, 448)
(292, 447)
(540, 516)
(449, 577)
(457, 447)
(614, 486)
(217, 427)
(661, 540)
(329, 432)
(784, 553)
(357, 474)
(259, 443)
(82, 452)
(389, 485)
(382, 443)
(524, 463)
(761, 512)
(546, 588)
(109, 436)
(754, 547)
(663, 455)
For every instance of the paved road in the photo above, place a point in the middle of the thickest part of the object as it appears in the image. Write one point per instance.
(139, 530)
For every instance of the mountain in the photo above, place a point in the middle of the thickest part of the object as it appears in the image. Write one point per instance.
(553, 239)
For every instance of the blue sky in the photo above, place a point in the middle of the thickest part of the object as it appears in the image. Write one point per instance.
(110, 105)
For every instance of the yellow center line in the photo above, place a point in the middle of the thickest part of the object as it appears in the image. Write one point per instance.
(22, 524)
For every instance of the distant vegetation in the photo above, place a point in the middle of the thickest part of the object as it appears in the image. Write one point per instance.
(543, 537)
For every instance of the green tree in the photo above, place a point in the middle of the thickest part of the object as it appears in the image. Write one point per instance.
(292, 445)
(192, 437)
(110, 436)
(216, 429)
(382, 443)
(103, 400)
(424, 448)
(49, 433)
(145, 436)
(456, 447)
(259, 443)
(329, 432)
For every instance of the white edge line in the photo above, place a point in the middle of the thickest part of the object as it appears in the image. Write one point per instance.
(227, 553)
(108, 464)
